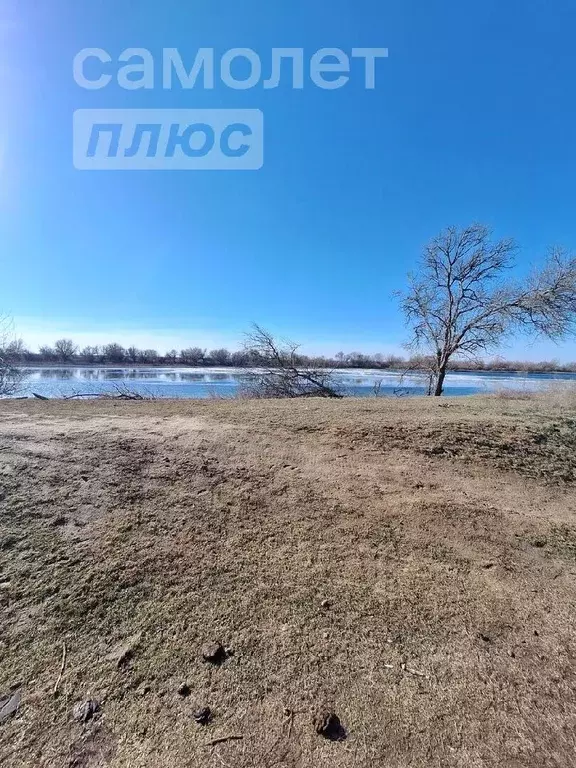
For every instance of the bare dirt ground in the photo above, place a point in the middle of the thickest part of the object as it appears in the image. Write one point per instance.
(407, 564)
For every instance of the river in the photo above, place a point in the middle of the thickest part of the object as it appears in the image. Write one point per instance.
(59, 381)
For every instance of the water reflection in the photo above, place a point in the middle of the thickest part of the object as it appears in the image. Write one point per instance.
(62, 374)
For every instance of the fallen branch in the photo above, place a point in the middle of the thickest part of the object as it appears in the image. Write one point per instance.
(119, 393)
(413, 671)
(62, 668)
(40, 397)
(222, 739)
(282, 373)
(86, 394)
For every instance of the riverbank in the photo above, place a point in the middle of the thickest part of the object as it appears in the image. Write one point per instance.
(408, 564)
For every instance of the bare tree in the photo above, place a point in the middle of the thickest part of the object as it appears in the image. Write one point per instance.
(47, 353)
(90, 354)
(15, 351)
(149, 356)
(114, 353)
(240, 358)
(133, 354)
(220, 356)
(65, 349)
(11, 376)
(461, 303)
(193, 355)
(282, 374)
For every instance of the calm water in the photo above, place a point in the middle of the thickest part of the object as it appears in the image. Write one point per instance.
(223, 382)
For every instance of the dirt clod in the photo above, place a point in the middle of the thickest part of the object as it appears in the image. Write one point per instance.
(123, 653)
(328, 725)
(184, 690)
(84, 711)
(215, 653)
(9, 705)
(203, 716)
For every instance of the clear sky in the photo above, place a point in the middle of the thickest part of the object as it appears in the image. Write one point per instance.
(472, 119)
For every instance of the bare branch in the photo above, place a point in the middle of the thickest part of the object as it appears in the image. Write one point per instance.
(11, 376)
(282, 374)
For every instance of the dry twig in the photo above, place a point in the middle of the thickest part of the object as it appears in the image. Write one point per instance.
(222, 739)
(62, 668)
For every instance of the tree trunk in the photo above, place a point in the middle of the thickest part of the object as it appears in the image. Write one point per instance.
(440, 381)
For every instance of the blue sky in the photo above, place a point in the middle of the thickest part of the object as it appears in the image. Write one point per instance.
(472, 119)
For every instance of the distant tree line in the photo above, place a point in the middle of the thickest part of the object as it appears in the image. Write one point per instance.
(66, 352)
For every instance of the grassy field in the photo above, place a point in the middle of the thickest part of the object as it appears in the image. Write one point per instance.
(409, 565)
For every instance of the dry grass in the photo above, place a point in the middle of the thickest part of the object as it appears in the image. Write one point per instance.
(554, 393)
(442, 534)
